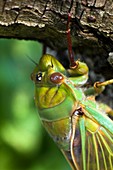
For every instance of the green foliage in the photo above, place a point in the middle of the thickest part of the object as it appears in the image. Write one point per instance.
(24, 145)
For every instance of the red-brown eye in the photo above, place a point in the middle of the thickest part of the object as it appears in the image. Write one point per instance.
(56, 78)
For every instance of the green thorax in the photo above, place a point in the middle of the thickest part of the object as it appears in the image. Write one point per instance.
(57, 102)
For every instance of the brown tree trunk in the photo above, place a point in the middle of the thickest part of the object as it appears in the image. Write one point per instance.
(45, 20)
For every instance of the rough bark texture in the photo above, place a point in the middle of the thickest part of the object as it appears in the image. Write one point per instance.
(45, 20)
(91, 23)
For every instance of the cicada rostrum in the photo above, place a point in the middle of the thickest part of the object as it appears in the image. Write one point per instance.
(79, 125)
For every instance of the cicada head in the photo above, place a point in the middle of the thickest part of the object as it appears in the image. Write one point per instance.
(48, 72)
(53, 97)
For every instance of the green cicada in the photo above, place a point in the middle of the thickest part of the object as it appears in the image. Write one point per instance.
(80, 126)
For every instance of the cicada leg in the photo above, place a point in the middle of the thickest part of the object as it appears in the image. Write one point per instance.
(97, 88)
(70, 51)
(78, 71)
(99, 85)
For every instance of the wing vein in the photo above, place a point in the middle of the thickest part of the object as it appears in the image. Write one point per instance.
(103, 155)
(96, 151)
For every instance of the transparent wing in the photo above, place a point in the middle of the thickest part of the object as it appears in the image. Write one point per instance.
(99, 150)
(91, 146)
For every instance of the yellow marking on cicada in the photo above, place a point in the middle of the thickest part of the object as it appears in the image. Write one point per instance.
(49, 97)
(91, 126)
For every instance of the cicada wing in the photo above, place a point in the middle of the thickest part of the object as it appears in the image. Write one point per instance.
(91, 148)
(99, 150)
(85, 143)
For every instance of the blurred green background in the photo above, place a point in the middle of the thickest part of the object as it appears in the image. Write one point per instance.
(24, 144)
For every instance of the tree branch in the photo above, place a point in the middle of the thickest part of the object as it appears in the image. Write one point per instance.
(91, 23)
(45, 20)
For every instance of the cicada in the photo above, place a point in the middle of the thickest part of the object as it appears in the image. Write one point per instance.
(80, 126)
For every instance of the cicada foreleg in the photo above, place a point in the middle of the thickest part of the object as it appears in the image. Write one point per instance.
(99, 85)
(78, 71)
(97, 88)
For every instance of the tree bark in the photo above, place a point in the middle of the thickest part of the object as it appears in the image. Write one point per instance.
(91, 22)
(46, 21)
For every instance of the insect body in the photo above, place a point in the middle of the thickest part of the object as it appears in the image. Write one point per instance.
(79, 125)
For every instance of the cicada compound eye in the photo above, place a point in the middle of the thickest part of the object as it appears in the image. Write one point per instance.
(38, 77)
(56, 78)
